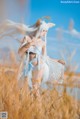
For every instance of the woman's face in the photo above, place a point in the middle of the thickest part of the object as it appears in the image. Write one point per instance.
(32, 55)
(43, 32)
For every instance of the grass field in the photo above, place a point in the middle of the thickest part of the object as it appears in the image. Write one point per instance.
(21, 104)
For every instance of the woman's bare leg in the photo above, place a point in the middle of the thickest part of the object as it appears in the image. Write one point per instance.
(36, 81)
(22, 81)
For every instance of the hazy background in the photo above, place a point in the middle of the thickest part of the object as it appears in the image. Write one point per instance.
(63, 40)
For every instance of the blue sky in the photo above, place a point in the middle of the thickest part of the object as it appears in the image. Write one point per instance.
(60, 14)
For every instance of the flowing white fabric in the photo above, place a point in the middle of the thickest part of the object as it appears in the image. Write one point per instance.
(13, 29)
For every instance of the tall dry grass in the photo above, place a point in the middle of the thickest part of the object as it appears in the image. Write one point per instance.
(21, 103)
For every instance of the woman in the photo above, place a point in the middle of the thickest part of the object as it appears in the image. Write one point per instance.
(36, 63)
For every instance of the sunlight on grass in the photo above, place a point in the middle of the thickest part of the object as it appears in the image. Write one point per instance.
(21, 103)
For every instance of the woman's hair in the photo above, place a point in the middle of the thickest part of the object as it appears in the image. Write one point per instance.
(36, 29)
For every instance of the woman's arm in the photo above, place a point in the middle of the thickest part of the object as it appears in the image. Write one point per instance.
(23, 49)
(60, 61)
(25, 45)
(44, 50)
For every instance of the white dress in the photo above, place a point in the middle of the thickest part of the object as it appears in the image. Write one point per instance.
(52, 69)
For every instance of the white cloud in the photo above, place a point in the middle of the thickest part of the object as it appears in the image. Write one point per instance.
(71, 30)
(73, 33)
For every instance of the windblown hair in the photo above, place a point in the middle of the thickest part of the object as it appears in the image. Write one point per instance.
(36, 29)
